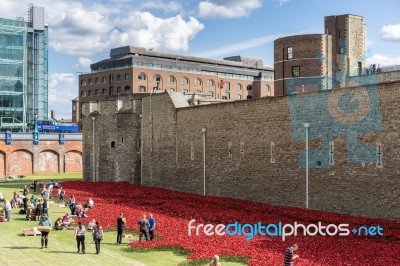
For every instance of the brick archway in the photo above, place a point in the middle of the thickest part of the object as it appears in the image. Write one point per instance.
(24, 165)
(47, 162)
(2, 163)
(72, 161)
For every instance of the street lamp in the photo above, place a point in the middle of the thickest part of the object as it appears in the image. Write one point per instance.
(35, 131)
(93, 152)
(307, 125)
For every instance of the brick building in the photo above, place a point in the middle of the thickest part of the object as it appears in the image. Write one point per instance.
(321, 61)
(132, 70)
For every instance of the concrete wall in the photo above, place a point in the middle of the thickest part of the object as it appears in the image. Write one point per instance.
(251, 153)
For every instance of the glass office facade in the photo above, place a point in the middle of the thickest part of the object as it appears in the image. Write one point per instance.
(23, 70)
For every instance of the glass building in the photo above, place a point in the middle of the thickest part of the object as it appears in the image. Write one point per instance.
(23, 70)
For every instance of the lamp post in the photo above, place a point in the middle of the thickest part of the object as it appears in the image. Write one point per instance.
(35, 131)
(307, 125)
(93, 152)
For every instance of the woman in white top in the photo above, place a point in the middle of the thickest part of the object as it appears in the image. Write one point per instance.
(80, 236)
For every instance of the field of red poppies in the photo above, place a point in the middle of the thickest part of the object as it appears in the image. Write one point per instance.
(173, 211)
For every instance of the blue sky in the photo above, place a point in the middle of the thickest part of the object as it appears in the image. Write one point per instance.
(82, 32)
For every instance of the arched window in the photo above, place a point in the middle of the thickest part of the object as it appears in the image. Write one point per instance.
(113, 144)
(118, 77)
(142, 76)
(103, 91)
(104, 79)
(249, 88)
(83, 94)
(83, 82)
(210, 83)
(111, 78)
(89, 93)
(171, 89)
(90, 81)
(96, 81)
(96, 92)
(249, 97)
(156, 78)
(171, 79)
(266, 87)
(211, 93)
(198, 91)
(197, 82)
(142, 89)
(238, 87)
(127, 76)
(119, 89)
(238, 97)
(185, 91)
(184, 80)
(127, 89)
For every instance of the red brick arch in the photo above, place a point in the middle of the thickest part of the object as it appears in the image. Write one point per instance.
(47, 162)
(20, 162)
(73, 161)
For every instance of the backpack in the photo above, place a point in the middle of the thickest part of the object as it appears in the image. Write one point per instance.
(97, 233)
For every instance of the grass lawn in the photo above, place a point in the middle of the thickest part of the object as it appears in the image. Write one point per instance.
(16, 249)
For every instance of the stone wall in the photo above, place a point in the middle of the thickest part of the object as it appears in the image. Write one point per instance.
(253, 148)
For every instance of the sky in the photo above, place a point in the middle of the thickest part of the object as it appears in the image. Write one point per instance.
(82, 32)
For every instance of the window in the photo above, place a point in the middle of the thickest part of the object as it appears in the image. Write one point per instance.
(272, 152)
(103, 91)
(238, 97)
(96, 81)
(211, 93)
(111, 78)
(113, 144)
(249, 97)
(331, 152)
(249, 88)
(295, 71)
(118, 77)
(127, 89)
(210, 83)
(142, 89)
(185, 91)
(104, 79)
(90, 81)
(156, 78)
(96, 92)
(341, 50)
(290, 53)
(197, 82)
(266, 87)
(227, 95)
(127, 76)
(227, 86)
(171, 89)
(171, 79)
(83, 82)
(119, 89)
(142, 76)
(111, 90)
(89, 93)
(379, 161)
(238, 87)
(185, 80)
(83, 94)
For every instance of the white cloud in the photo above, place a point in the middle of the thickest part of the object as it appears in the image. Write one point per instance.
(144, 29)
(84, 62)
(282, 2)
(172, 6)
(227, 8)
(383, 60)
(62, 89)
(237, 47)
(391, 32)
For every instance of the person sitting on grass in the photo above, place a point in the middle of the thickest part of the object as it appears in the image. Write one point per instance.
(58, 225)
(215, 261)
(33, 200)
(1, 197)
(3, 215)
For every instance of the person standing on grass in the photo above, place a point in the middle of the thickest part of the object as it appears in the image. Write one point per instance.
(98, 236)
(8, 210)
(45, 221)
(152, 226)
(34, 185)
(143, 228)
(121, 221)
(290, 256)
(215, 261)
(80, 236)
(45, 206)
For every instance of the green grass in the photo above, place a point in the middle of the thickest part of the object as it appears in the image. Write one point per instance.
(17, 249)
(47, 177)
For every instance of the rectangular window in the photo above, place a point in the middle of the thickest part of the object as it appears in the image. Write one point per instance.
(295, 71)
(290, 53)
(272, 152)
(379, 161)
(227, 86)
(331, 152)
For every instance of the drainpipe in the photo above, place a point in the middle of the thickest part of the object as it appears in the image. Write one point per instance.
(204, 130)
(93, 152)
(141, 146)
(307, 125)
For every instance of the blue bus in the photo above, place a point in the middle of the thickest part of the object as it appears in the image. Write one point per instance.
(53, 126)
